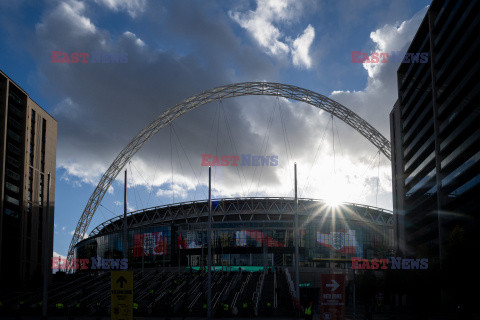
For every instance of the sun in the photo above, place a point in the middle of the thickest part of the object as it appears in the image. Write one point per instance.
(334, 196)
(333, 201)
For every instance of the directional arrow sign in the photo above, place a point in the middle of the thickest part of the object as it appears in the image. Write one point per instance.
(121, 295)
(121, 280)
(334, 285)
(332, 297)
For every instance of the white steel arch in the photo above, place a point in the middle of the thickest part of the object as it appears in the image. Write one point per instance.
(219, 93)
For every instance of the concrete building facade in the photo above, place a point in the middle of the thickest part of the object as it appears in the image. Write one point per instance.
(28, 140)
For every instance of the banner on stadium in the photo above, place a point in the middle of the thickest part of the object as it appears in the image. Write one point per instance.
(242, 238)
(255, 238)
(192, 240)
(150, 244)
(341, 241)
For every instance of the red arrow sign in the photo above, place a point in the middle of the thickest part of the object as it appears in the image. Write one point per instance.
(333, 297)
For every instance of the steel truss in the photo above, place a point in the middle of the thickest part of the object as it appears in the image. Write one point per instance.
(220, 93)
(259, 209)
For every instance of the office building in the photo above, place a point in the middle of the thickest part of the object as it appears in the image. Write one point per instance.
(435, 132)
(28, 139)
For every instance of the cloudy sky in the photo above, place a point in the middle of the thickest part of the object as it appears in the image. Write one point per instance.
(176, 49)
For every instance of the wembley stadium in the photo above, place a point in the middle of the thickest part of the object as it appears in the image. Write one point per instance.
(247, 232)
(270, 256)
(252, 255)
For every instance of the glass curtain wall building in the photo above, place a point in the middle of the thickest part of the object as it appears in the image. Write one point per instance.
(435, 131)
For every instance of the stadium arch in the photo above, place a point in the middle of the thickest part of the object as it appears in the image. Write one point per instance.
(219, 93)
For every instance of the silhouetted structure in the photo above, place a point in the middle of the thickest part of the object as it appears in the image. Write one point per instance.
(28, 140)
(434, 130)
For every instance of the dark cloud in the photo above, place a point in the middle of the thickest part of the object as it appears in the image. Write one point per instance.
(100, 107)
(104, 105)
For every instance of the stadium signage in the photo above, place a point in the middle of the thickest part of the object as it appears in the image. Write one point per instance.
(121, 300)
(396, 263)
(95, 264)
(242, 160)
(394, 56)
(332, 298)
(82, 57)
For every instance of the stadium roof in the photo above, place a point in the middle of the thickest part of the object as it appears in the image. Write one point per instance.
(244, 209)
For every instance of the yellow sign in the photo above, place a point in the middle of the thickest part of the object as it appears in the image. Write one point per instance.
(122, 295)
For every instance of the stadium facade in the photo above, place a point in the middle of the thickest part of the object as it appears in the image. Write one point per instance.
(247, 232)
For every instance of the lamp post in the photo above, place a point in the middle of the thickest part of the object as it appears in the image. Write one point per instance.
(125, 218)
(209, 241)
(297, 276)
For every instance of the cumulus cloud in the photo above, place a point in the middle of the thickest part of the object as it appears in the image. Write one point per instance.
(133, 36)
(376, 100)
(79, 25)
(132, 7)
(301, 48)
(58, 255)
(115, 101)
(130, 208)
(111, 103)
(261, 25)
(66, 108)
(393, 38)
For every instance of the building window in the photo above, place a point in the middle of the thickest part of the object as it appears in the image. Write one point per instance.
(42, 183)
(30, 184)
(13, 175)
(40, 224)
(12, 200)
(12, 187)
(32, 137)
(11, 213)
(29, 221)
(44, 131)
